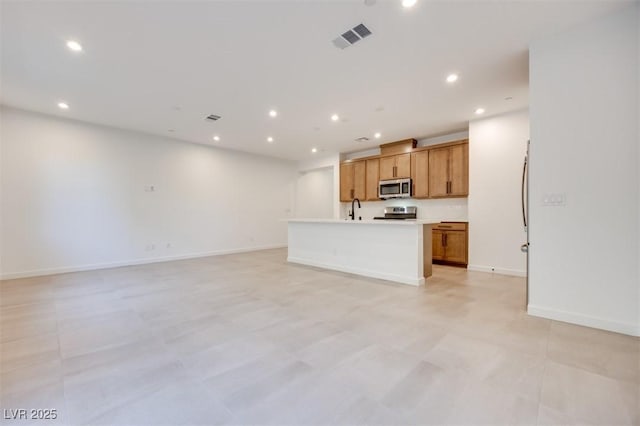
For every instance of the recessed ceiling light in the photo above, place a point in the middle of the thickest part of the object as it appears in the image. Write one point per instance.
(273, 113)
(335, 117)
(452, 78)
(508, 98)
(171, 130)
(63, 105)
(409, 3)
(216, 138)
(480, 111)
(74, 45)
(269, 139)
(377, 135)
(314, 150)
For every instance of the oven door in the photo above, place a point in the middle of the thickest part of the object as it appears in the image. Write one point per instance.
(389, 189)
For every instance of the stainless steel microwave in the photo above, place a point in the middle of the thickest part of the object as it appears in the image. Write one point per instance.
(394, 188)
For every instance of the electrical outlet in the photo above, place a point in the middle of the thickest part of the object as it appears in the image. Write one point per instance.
(150, 247)
(168, 245)
(149, 188)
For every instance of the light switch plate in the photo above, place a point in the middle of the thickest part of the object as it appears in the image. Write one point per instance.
(554, 200)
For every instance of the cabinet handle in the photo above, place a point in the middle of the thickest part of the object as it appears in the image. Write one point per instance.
(394, 171)
(445, 239)
(352, 193)
(442, 240)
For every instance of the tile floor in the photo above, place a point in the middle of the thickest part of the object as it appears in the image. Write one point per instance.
(250, 339)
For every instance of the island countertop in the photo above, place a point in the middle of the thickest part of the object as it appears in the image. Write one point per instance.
(394, 250)
(405, 222)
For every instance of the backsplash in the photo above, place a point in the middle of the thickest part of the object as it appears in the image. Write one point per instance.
(451, 209)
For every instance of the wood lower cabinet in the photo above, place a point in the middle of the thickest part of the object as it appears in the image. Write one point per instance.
(395, 166)
(449, 171)
(437, 240)
(420, 174)
(450, 243)
(352, 180)
(372, 179)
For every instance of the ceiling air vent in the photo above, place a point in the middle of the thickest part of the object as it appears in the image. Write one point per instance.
(362, 139)
(362, 31)
(213, 117)
(352, 36)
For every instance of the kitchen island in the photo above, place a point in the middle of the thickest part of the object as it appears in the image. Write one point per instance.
(394, 250)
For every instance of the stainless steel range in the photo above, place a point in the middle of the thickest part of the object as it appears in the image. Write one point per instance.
(399, 213)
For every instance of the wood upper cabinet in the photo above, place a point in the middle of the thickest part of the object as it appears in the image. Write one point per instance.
(395, 166)
(449, 242)
(439, 172)
(420, 174)
(352, 180)
(359, 180)
(373, 177)
(436, 171)
(346, 181)
(459, 170)
(403, 166)
(387, 167)
(449, 171)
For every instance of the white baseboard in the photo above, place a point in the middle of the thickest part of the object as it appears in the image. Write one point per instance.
(371, 274)
(117, 264)
(494, 270)
(585, 320)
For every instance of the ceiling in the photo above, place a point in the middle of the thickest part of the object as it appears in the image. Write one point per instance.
(161, 67)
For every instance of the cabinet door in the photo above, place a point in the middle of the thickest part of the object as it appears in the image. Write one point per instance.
(456, 246)
(373, 177)
(387, 167)
(420, 174)
(459, 170)
(438, 172)
(437, 247)
(346, 181)
(359, 180)
(403, 165)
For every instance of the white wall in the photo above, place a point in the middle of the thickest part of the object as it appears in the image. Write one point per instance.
(73, 197)
(314, 194)
(497, 147)
(584, 144)
(331, 162)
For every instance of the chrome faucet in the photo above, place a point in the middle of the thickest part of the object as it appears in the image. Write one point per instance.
(353, 208)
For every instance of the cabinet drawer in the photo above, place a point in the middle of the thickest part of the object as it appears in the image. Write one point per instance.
(451, 226)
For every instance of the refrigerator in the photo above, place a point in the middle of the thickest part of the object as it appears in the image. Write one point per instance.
(525, 213)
